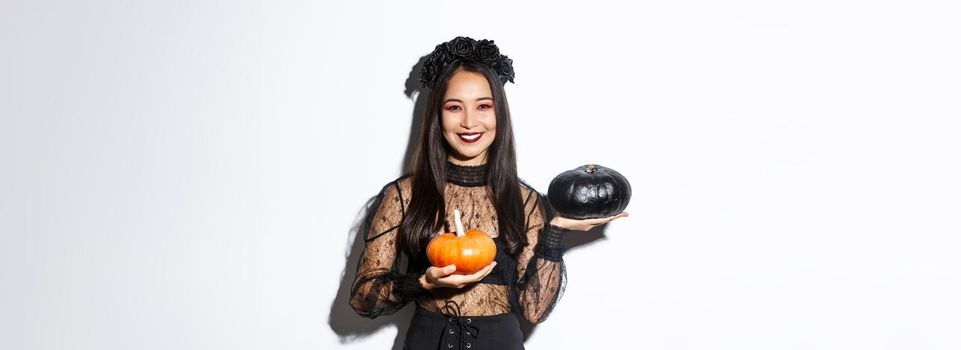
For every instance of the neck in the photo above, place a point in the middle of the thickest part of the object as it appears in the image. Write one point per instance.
(467, 175)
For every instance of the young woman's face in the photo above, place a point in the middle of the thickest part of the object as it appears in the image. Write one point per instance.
(468, 118)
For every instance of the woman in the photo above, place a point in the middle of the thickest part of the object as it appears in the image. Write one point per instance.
(465, 160)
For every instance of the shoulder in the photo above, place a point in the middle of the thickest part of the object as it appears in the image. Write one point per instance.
(400, 183)
(397, 190)
(534, 205)
(534, 201)
(385, 209)
(528, 193)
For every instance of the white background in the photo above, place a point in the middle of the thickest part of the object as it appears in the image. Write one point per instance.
(189, 174)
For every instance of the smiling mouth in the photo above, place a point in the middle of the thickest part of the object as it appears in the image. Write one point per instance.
(470, 137)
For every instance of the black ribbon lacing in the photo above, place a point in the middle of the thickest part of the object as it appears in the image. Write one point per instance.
(452, 310)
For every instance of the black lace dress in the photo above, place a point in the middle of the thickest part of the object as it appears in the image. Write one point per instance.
(479, 316)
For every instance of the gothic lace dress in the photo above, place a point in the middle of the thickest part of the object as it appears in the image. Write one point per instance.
(528, 284)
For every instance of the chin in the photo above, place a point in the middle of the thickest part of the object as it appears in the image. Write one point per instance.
(467, 156)
(468, 152)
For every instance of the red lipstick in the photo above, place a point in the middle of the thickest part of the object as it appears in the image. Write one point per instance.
(470, 137)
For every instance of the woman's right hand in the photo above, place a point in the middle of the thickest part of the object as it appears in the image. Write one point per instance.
(444, 277)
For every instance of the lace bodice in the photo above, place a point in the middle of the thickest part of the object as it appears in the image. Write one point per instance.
(529, 283)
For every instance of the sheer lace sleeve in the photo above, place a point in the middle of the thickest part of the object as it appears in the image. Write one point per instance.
(379, 288)
(540, 266)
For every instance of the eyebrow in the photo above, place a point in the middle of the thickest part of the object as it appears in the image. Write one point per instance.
(458, 100)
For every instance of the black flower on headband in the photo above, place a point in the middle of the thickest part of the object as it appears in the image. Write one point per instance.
(465, 49)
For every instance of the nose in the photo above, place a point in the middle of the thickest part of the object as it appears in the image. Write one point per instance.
(469, 121)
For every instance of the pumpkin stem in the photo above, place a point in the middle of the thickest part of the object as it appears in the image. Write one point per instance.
(590, 169)
(459, 227)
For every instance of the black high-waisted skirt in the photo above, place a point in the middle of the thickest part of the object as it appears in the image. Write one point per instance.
(432, 330)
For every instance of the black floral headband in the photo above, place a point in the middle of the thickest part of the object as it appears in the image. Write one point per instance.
(465, 49)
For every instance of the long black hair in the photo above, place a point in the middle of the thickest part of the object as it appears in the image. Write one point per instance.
(429, 169)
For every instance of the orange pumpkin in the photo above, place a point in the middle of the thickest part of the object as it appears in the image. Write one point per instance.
(469, 250)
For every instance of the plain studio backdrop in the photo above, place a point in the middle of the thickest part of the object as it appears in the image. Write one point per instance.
(190, 175)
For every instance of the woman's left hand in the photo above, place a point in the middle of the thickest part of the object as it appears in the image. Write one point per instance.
(584, 224)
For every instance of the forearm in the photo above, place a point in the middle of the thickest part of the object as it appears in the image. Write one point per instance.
(385, 293)
(544, 278)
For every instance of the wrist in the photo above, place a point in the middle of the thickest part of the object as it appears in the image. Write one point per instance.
(423, 282)
(408, 286)
(550, 245)
(555, 225)
(556, 221)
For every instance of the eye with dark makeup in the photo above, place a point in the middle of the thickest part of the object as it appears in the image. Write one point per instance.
(482, 107)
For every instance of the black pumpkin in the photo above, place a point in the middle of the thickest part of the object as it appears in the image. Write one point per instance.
(589, 191)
